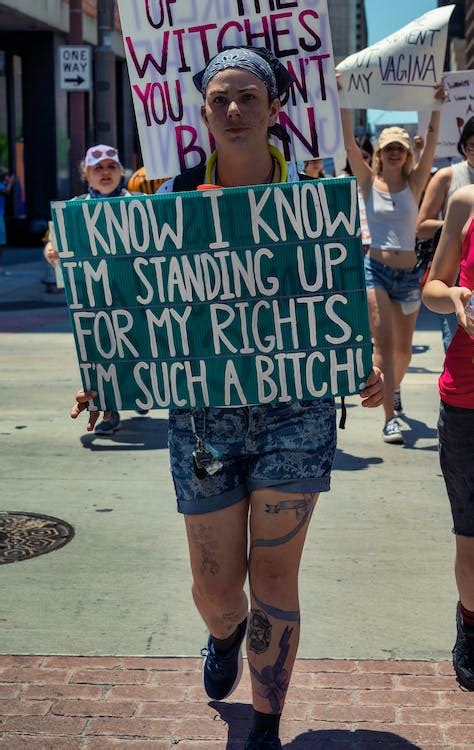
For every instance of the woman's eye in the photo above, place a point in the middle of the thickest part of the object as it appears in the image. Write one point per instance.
(218, 100)
(248, 97)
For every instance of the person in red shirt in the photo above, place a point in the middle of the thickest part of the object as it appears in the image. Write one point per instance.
(444, 292)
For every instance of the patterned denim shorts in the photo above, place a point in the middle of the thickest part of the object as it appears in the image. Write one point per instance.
(287, 446)
(401, 285)
(456, 452)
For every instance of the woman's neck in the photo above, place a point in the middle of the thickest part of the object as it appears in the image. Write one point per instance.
(233, 169)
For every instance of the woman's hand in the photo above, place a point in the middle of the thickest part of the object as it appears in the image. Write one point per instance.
(372, 395)
(460, 296)
(50, 254)
(441, 93)
(82, 402)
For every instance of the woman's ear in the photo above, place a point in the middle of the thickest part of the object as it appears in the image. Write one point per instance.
(203, 113)
(273, 113)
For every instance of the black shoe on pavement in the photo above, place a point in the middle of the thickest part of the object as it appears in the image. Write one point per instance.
(262, 741)
(221, 673)
(110, 426)
(463, 653)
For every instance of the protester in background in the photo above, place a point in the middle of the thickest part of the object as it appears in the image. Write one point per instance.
(103, 173)
(139, 183)
(367, 152)
(434, 205)
(266, 464)
(450, 288)
(392, 190)
(314, 168)
(6, 183)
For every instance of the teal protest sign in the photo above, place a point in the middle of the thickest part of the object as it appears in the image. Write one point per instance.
(221, 297)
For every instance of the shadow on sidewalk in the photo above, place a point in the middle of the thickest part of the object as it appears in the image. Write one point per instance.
(137, 433)
(237, 716)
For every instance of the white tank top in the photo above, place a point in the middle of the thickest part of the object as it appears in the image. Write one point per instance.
(462, 175)
(392, 219)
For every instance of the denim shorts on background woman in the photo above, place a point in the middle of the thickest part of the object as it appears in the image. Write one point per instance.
(456, 456)
(401, 285)
(289, 447)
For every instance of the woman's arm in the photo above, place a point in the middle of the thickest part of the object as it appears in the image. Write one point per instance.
(439, 294)
(419, 176)
(432, 204)
(359, 167)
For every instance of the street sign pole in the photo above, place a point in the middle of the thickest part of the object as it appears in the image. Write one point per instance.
(77, 123)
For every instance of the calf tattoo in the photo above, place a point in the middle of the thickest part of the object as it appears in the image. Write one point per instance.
(259, 631)
(274, 679)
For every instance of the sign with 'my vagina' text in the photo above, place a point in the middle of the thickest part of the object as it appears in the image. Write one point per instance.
(168, 41)
(400, 71)
(217, 298)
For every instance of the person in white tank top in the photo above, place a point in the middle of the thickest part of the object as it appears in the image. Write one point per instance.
(392, 190)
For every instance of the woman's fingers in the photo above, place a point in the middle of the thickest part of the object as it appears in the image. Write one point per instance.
(82, 403)
(372, 395)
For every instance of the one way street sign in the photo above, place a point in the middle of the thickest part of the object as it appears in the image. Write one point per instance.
(74, 67)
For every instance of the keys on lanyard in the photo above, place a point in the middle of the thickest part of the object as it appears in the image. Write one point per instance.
(206, 459)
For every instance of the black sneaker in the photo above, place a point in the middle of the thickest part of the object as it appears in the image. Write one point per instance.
(397, 403)
(110, 426)
(463, 653)
(262, 741)
(221, 673)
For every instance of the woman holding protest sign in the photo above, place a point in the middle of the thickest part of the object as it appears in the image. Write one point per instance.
(450, 289)
(392, 190)
(248, 477)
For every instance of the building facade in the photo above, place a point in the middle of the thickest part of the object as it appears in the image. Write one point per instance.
(34, 121)
(456, 45)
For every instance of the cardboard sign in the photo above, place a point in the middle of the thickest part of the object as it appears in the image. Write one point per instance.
(221, 297)
(168, 41)
(456, 111)
(399, 72)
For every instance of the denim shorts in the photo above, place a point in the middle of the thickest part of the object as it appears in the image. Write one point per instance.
(456, 453)
(287, 446)
(401, 285)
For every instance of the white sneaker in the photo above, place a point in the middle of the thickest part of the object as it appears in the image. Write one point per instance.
(392, 433)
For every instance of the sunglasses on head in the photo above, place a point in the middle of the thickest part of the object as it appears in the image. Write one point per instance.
(110, 152)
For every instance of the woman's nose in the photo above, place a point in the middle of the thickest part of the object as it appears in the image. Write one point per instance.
(233, 109)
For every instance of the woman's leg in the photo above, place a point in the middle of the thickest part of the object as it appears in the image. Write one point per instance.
(278, 525)
(403, 330)
(464, 570)
(217, 544)
(380, 313)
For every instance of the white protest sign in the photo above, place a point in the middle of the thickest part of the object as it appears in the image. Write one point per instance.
(168, 41)
(400, 71)
(456, 111)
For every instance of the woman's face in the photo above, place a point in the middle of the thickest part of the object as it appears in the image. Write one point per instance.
(469, 150)
(394, 155)
(105, 176)
(236, 109)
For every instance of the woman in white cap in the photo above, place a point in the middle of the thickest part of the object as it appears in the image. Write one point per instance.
(248, 478)
(392, 191)
(103, 172)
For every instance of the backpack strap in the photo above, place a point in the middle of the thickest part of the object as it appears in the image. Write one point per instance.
(189, 179)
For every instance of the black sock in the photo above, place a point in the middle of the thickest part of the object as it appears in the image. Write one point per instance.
(269, 723)
(223, 645)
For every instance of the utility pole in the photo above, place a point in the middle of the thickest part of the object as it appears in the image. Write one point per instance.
(469, 34)
(105, 116)
(77, 136)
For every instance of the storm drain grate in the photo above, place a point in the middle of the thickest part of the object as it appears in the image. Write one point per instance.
(27, 535)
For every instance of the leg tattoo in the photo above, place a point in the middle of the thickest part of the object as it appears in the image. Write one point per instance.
(203, 537)
(274, 679)
(259, 632)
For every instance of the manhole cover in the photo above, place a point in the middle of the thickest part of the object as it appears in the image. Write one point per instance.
(26, 535)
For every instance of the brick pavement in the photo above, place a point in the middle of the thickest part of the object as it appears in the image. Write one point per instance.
(139, 703)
